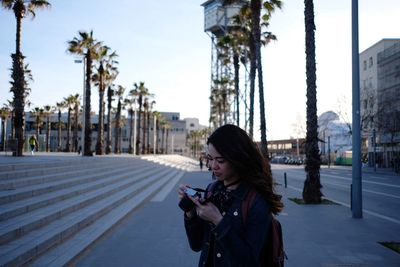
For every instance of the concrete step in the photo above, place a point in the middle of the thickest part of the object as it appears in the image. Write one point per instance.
(28, 170)
(52, 175)
(7, 196)
(13, 209)
(18, 226)
(33, 243)
(16, 166)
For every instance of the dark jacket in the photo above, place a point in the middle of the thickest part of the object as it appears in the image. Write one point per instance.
(235, 244)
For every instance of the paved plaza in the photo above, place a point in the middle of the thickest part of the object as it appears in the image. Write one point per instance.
(146, 227)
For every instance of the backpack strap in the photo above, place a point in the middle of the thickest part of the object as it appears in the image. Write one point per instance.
(210, 189)
(247, 202)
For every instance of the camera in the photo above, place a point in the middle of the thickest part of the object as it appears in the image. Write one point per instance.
(186, 204)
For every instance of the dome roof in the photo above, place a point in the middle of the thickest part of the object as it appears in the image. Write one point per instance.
(327, 117)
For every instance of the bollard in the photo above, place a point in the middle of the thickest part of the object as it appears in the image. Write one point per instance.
(285, 177)
(351, 196)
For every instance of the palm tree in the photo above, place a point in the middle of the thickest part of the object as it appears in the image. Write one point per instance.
(149, 112)
(86, 46)
(69, 103)
(312, 184)
(157, 115)
(167, 127)
(140, 91)
(104, 75)
(48, 110)
(118, 124)
(110, 93)
(162, 122)
(76, 106)
(60, 106)
(130, 103)
(256, 6)
(235, 42)
(20, 8)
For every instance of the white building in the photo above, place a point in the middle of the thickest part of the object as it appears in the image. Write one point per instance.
(335, 136)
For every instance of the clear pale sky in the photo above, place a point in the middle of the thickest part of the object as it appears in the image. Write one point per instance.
(163, 44)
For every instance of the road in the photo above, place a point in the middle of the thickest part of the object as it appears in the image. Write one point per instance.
(380, 192)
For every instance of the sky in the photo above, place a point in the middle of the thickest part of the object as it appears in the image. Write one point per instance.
(163, 44)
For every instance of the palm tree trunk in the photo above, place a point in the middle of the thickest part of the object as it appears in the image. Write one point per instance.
(88, 125)
(18, 85)
(148, 132)
(256, 32)
(166, 142)
(18, 90)
(109, 100)
(19, 15)
(67, 147)
(117, 128)
(130, 149)
(100, 125)
(162, 140)
(236, 66)
(252, 78)
(138, 126)
(312, 185)
(59, 132)
(144, 133)
(75, 133)
(47, 133)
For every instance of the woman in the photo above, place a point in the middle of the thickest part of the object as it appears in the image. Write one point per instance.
(215, 225)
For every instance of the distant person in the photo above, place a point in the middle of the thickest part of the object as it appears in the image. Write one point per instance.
(201, 163)
(33, 144)
(213, 222)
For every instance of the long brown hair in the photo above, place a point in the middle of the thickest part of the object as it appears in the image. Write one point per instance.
(236, 147)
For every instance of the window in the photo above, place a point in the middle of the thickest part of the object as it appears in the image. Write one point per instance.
(365, 65)
(371, 62)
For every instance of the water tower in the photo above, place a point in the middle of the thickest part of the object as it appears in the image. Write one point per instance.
(217, 23)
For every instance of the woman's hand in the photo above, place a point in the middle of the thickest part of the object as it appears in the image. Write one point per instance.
(181, 194)
(181, 190)
(208, 211)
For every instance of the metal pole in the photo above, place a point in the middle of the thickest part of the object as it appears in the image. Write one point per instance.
(329, 151)
(285, 179)
(356, 194)
(134, 130)
(154, 135)
(374, 144)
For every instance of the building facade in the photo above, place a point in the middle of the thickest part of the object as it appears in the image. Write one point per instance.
(380, 103)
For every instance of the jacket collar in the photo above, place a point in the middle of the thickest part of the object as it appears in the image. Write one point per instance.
(241, 190)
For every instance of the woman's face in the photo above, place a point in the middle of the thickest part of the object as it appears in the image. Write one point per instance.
(221, 168)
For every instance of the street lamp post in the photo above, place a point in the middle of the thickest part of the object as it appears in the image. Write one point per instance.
(154, 135)
(83, 104)
(134, 129)
(356, 192)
